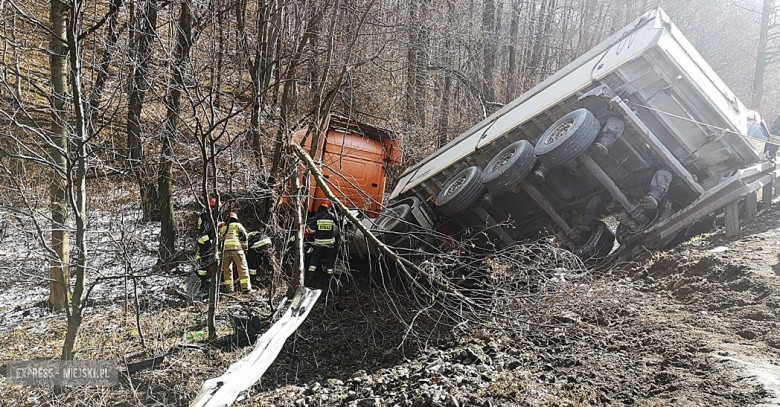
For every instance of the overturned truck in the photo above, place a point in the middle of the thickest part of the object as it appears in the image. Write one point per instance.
(638, 133)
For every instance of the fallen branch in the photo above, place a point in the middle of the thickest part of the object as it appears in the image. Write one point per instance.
(146, 364)
(403, 264)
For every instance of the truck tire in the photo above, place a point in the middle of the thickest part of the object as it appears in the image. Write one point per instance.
(568, 138)
(509, 167)
(394, 224)
(598, 245)
(395, 219)
(460, 191)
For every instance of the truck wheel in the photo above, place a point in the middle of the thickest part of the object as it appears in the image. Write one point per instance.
(568, 138)
(509, 167)
(395, 219)
(598, 245)
(460, 191)
(394, 224)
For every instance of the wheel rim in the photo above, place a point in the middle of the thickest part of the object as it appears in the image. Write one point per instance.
(456, 185)
(502, 160)
(559, 131)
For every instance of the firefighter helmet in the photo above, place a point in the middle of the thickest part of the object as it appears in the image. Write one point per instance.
(232, 215)
(213, 203)
(326, 203)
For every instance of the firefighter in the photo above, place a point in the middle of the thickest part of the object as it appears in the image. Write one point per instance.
(323, 228)
(234, 240)
(257, 256)
(205, 255)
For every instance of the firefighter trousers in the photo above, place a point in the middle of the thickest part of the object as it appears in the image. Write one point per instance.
(238, 258)
(323, 254)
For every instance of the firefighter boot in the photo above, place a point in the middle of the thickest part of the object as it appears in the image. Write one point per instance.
(227, 286)
(658, 187)
(246, 285)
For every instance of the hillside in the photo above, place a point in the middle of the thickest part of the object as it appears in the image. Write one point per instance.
(693, 326)
(122, 121)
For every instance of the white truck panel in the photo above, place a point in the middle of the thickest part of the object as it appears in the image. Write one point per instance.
(653, 30)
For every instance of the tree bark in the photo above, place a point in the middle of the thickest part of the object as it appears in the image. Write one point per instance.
(488, 49)
(60, 237)
(141, 40)
(167, 248)
(286, 102)
(417, 61)
(757, 90)
(209, 153)
(261, 69)
(263, 64)
(78, 182)
(112, 36)
(511, 90)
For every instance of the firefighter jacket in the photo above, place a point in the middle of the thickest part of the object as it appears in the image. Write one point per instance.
(258, 241)
(323, 226)
(205, 228)
(257, 255)
(233, 236)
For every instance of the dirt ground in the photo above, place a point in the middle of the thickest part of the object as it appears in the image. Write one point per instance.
(697, 325)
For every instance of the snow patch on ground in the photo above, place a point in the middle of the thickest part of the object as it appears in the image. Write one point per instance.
(120, 246)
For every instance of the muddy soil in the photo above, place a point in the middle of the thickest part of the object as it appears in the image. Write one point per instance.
(697, 325)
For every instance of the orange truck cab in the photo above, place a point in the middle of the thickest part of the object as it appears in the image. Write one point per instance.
(354, 159)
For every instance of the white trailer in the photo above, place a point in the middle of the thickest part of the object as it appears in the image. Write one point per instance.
(639, 130)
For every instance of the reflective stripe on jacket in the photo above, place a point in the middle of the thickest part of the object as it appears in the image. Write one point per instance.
(205, 231)
(324, 227)
(257, 240)
(325, 242)
(233, 235)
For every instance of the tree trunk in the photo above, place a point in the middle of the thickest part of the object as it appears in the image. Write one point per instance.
(288, 91)
(167, 247)
(141, 41)
(417, 61)
(757, 90)
(260, 69)
(60, 237)
(112, 36)
(488, 49)
(512, 71)
(444, 111)
(78, 183)
(210, 160)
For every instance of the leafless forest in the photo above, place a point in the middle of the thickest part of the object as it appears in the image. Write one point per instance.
(114, 106)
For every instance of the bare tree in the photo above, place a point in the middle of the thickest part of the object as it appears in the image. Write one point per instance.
(769, 33)
(417, 61)
(60, 238)
(489, 47)
(167, 249)
(141, 35)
